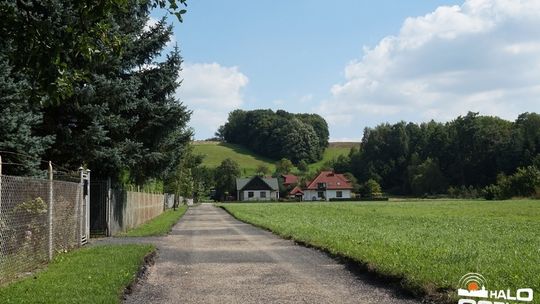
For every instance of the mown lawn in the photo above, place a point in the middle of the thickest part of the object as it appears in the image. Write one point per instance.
(89, 275)
(430, 244)
(160, 225)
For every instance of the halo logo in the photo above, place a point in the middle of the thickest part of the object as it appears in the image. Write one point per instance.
(473, 285)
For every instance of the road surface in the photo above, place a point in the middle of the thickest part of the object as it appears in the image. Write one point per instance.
(210, 257)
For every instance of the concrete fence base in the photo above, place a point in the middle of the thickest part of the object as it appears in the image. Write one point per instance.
(130, 209)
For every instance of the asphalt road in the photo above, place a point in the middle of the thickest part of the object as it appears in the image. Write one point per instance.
(210, 257)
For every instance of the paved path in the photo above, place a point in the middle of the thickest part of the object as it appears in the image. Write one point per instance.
(210, 257)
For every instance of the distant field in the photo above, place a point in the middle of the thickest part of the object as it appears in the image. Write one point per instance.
(216, 152)
(333, 151)
(430, 244)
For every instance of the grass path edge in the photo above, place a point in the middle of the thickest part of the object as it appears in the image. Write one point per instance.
(148, 261)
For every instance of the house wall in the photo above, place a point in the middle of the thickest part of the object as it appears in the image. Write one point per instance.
(270, 195)
(310, 194)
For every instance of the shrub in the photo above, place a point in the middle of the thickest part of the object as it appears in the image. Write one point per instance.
(370, 189)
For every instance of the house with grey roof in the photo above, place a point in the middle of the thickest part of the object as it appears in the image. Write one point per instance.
(257, 189)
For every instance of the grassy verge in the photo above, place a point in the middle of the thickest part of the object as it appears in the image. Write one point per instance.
(430, 244)
(89, 275)
(160, 225)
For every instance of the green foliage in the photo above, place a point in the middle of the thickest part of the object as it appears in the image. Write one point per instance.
(36, 206)
(426, 158)
(180, 182)
(19, 141)
(160, 225)
(97, 274)
(302, 166)
(426, 178)
(370, 188)
(525, 182)
(463, 192)
(86, 75)
(284, 166)
(277, 134)
(421, 242)
(225, 177)
(262, 170)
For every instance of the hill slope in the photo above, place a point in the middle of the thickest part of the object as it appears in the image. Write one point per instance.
(333, 151)
(216, 152)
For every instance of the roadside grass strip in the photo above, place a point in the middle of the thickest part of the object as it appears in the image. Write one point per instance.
(90, 275)
(160, 225)
(430, 245)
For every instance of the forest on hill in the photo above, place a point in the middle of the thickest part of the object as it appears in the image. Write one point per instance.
(471, 155)
(277, 135)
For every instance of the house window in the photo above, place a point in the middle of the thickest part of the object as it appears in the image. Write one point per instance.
(321, 185)
(263, 194)
(251, 194)
(339, 194)
(320, 194)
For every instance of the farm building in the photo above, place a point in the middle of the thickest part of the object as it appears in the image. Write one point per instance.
(289, 180)
(297, 193)
(328, 185)
(257, 189)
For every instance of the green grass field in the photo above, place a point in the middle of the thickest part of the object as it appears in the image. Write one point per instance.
(160, 225)
(89, 275)
(333, 151)
(430, 244)
(216, 152)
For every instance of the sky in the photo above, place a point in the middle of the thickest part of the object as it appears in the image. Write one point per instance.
(358, 63)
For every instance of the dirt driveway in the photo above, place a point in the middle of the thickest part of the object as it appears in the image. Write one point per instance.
(210, 257)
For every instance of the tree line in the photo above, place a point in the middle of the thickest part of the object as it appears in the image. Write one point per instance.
(297, 137)
(467, 156)
(84, 83)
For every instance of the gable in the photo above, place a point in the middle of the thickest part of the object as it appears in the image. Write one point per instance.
(256, 183)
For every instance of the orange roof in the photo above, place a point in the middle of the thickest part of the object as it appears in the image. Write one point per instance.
(296, 190)
(333, 181)
(289, 179)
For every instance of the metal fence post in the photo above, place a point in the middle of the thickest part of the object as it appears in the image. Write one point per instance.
(81, 206)
(87, 220)
(50, 211)
(108, 206)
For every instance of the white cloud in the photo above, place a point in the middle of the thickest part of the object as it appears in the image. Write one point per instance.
(306, 98)
(481, 56)
(278, 102)
(211, 91)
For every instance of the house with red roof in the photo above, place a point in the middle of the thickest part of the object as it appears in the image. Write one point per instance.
(289, 180)
(328, 185)
(297, 193)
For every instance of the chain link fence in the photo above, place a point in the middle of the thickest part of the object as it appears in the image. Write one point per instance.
(37, 218)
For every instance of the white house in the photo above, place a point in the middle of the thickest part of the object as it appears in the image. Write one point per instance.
(328, 185)
(257, 189)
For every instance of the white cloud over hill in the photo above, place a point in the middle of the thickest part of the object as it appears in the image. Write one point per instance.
(481, 56)
(211, 91)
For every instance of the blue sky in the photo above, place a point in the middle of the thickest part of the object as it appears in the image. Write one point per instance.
(358, 63)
